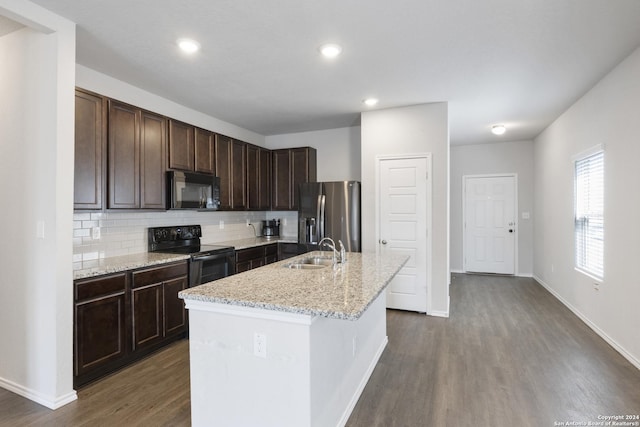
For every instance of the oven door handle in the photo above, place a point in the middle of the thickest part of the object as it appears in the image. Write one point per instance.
(209, 257)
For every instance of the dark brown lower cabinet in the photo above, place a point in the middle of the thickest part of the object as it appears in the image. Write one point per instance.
(250, 258)
(156, 311)
(289, 250)
(119, 318)
(100, 332)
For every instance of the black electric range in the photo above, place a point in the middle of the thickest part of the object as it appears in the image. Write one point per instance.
(206, 262)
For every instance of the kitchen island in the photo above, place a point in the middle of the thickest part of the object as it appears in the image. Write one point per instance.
(287, 347)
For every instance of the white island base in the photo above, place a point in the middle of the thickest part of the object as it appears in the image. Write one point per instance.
(313, 374)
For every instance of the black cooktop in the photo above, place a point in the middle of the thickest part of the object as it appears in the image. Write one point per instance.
(183, 239)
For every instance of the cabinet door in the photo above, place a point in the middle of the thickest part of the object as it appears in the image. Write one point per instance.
(204, 151)
(124, 156)
(181, 146)
(253, 177)
(264, 179)
(146, 315)
(281, 180)
(223, 169)
(100, 331)
(100, 335)
(175, 315)
(303, 169)
(152, 168)
(90, 145)
(239, 175)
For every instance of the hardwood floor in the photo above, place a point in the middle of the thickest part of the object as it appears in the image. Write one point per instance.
(152, 392)
(509, 355)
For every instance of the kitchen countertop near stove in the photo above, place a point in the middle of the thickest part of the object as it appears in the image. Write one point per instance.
(341, 293)
(117, 264)
(251, 242)
(99, 267)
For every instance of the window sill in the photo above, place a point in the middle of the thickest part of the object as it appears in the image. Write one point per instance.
(598, 280)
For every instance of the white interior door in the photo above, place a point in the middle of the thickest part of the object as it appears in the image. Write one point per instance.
(403, 199)
(489, 224)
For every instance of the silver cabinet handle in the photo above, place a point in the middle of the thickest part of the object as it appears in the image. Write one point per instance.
(384, 242)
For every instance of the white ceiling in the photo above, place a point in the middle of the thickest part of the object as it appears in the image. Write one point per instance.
(517, 62)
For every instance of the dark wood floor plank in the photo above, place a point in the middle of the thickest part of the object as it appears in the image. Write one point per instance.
(509, 355)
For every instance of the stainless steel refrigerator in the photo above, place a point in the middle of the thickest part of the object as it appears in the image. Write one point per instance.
(330, 209)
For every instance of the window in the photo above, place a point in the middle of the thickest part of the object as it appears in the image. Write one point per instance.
(589, 207)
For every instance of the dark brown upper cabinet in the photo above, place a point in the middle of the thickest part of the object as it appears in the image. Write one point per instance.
(137, 141)
(291, 167)
(181, 146)
(231, 168)
(90, 148)
(205, 151)
(258, 178)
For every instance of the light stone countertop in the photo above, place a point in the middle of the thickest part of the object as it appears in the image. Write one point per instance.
(99, 267)
(117, 264)
(251, 242)
(341, 293)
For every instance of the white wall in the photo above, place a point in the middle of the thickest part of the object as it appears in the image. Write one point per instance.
(102, 84)
(501, 157)
(608, 114)
(408, 130)
(338, 151)
(36, 186)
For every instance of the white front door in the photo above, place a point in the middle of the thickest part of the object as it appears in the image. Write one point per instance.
(489, 224)
(403, 204)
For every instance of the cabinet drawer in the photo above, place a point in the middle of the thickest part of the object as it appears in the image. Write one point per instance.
(158, 274)
(99, 286)
(249, 254)
(271, 249)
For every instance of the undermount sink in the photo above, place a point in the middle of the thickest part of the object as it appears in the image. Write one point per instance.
(311, 263)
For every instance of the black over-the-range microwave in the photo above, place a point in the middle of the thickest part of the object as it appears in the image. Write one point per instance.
(188, 190)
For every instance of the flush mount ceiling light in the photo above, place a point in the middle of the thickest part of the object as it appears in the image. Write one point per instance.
(370, 102)
(498, 129)
(330, 50)
(188, 45)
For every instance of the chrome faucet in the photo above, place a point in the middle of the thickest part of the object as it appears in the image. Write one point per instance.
(338, 256)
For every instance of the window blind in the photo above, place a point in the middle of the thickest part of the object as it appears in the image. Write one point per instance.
(589, 218)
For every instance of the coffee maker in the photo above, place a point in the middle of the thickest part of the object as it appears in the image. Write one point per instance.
(271, 228)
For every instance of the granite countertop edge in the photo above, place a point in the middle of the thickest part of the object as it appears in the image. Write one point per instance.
(282, 306)
(117, 264)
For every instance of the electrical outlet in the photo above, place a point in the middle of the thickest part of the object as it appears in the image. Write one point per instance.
(95, 233)
(260, 345)
(221, 225)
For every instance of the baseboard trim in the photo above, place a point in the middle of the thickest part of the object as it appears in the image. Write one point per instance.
(471, 272)
(51, 403)
(363, 383)
(620, 349)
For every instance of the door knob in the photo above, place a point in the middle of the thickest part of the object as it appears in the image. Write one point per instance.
(384, 242)
(510, 231)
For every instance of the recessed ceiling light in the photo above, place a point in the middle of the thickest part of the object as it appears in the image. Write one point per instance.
(330, 50)
(188, 45)
(370, 102)
(498, 129)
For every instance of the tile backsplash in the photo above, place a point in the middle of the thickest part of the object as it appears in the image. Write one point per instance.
(105, 234)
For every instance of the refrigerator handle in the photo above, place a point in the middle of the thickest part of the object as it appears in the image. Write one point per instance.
(322, 218)
(316, 233)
